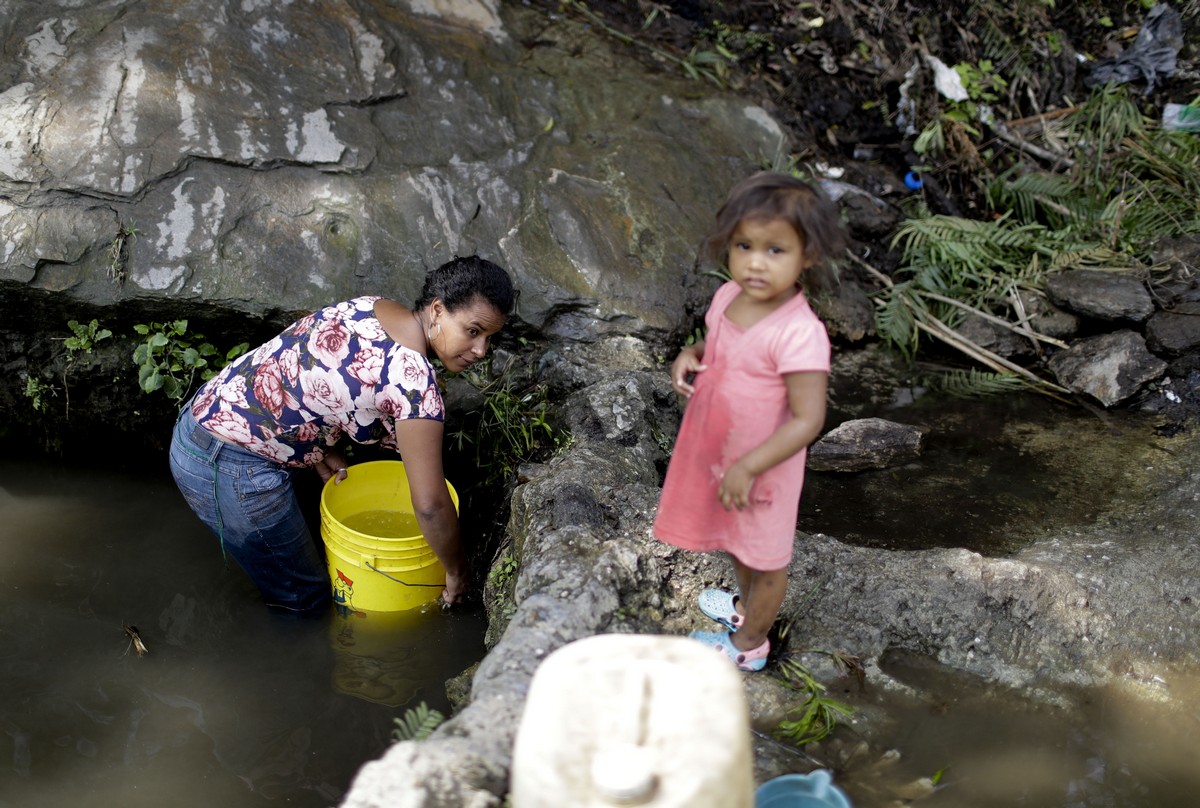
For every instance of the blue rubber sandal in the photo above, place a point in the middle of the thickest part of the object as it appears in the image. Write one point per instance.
(754, 660)
(719, 605)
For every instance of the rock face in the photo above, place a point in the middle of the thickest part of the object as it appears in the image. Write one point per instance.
(229, 147)
(165, 161)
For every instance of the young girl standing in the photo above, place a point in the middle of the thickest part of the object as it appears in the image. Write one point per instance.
(756, 399)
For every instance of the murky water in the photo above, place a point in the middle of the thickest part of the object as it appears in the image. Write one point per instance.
(1108, 747)
(231, 706)
(992, 473)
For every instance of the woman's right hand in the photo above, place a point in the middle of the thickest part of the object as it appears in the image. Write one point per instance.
(420, 444)
(457, 587)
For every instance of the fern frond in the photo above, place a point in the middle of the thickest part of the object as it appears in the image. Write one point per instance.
(1042, 196)
(894, 322)
(1092, 256)
(1009, 57)
(418, 724)
(978, 383)
(1101, 124)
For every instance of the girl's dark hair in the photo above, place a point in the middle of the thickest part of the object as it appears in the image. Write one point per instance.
(771, 195)
(459, 281)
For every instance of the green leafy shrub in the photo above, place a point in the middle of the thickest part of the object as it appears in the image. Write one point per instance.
(83, 338)
(173, 360)
(1117, 186)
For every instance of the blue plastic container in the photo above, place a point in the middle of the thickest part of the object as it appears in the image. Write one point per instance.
(812, 790)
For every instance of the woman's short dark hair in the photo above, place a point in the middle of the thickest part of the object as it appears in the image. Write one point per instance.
(459, 281)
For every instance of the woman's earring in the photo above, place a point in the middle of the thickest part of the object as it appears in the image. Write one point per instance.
(429, 332)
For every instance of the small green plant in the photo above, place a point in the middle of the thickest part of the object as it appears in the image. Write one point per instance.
(502, 572)
(512, 425)
(83, 338)
(817, 715)
(417, 724)
(38, 391)
(982, 82)
(118, 252)
(975, 383)
(171, 359)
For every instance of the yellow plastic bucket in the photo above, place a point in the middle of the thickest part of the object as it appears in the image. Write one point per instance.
(378, 559)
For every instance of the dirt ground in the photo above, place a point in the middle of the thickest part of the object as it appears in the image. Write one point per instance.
(834, 71)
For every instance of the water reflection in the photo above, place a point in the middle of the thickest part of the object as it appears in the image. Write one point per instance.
(231, 705)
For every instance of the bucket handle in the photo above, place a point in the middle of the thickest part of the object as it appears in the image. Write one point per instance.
(397, 580)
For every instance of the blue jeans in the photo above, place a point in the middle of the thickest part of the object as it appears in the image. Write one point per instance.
(249, 504)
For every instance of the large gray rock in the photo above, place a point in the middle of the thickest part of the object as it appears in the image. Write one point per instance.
(1046, 318)
(276, 156)
(1173, 333)
(865, 443)
(1110, 368)
(1101, 295)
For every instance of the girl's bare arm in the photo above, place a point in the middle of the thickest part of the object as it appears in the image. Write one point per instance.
(806, 400)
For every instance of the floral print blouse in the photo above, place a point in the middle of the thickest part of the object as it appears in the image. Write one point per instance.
(334, 372)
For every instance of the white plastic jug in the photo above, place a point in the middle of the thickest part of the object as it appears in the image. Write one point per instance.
(623, 719)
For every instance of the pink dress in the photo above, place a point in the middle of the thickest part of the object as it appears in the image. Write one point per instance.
(739, 402)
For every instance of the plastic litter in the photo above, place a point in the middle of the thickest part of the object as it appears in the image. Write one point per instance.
(865, 152)
(913, 180)
(812, 790)
(1152, 56)
(946, 79)
(1181, 117)
(835, 190)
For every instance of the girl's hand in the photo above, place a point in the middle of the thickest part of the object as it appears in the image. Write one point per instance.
(734, 491)
(685, 365)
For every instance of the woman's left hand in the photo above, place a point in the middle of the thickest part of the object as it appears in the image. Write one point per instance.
(332, 465)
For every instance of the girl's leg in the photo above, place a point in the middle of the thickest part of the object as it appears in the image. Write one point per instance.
(745, 582)
(763, 592)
